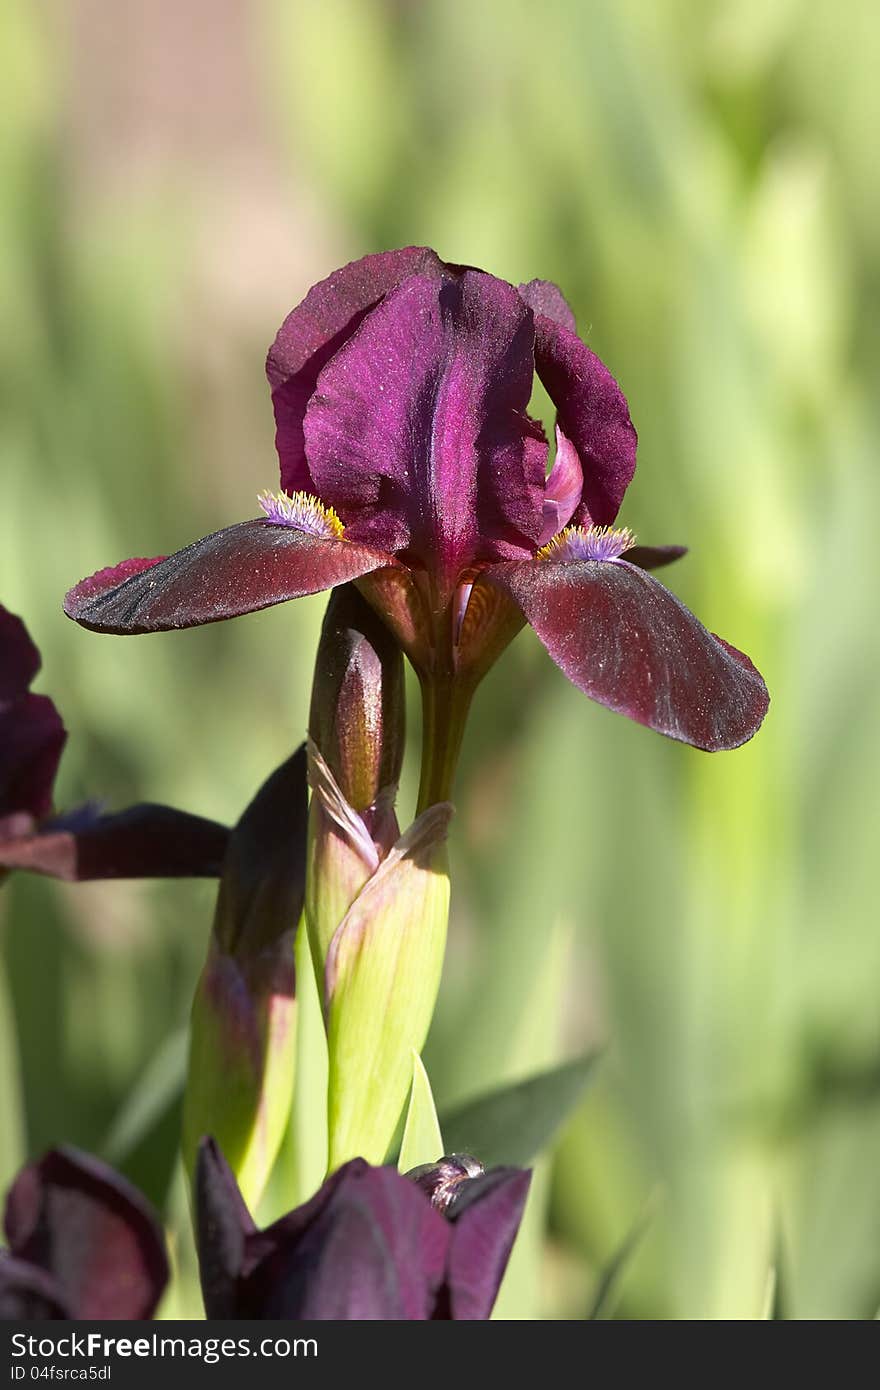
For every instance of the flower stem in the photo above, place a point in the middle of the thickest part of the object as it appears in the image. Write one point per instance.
(445, 704)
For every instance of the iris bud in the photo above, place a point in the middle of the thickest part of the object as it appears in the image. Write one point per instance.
(356, 742)
(243, 1035)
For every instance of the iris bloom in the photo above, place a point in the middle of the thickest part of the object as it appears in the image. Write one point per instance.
(82, 1243)
(145, 841)
(410, 464)
(371, 1244)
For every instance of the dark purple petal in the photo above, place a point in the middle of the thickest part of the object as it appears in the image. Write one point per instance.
(223, 1224)
(547, 299)
(245, 567)
(32, 738)
(31, 732)
(368, 1246)
(29, 1294)
(417, 432)
(485, 1217)
(629, 643)
(318, 327)
(144, 841)
(19, 658)
(89, 1229)
(592, 413)
(654, 557)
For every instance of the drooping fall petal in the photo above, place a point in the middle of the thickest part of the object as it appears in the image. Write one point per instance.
(88, 1228)
(145, 841)
(417, 432)
(629, 643)
(314, 331)
(592, 413)
(251, 565)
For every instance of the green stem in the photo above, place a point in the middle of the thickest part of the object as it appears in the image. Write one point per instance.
(445, 704)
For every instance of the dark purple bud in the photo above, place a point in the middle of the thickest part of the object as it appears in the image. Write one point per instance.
(83, 1243)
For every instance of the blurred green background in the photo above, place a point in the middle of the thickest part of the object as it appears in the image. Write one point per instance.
(702, 180)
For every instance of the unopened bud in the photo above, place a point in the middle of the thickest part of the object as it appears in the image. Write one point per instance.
(356, 741)
(243, 1036)
(357, 711)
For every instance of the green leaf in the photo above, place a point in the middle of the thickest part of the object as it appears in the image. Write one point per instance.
(160, 1087)
(512, 1124)
(422, 1141)
(611, 1275)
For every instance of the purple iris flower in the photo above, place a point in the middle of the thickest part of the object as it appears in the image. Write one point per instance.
(369, 1245)
(410, 464)
(144, 841)
(82, 1243)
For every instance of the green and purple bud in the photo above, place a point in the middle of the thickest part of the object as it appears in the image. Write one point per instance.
(243, 1038)
(356, 743)
(377, 902)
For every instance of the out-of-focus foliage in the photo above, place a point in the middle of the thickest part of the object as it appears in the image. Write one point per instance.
(702, 180)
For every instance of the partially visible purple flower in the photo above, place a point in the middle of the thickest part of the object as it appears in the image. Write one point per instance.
(369, 1245)
(82, 1244)
(410, 465)
(145, 841)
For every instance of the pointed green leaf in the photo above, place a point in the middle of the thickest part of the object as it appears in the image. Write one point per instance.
(422, 1141)
(513, 1123)
(613, 1271)
(159, 1088)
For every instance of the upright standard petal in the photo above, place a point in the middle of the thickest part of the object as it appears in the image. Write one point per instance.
(629, 643)
(243, 568)
(32, 735)
(32, 738)
(592, 413)
(19, 658)
(88, 1228)
(418, 434)
(545, 298)
(314, 331)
